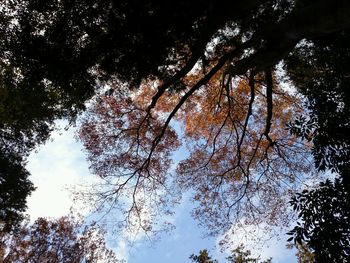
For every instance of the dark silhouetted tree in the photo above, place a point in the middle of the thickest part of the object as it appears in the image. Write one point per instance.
(321, 71)
(237, 255)
(202, 257)
(14, 188)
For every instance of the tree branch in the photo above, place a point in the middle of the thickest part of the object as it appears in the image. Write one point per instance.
(269, 87)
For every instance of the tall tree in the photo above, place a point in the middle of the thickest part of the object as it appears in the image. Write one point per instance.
(320, 70)
(234, 162)
(64, 49)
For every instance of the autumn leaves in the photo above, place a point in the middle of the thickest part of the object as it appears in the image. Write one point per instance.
(234, 162)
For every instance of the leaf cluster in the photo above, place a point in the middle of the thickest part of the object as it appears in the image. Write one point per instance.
(320, 71)
(323, 221)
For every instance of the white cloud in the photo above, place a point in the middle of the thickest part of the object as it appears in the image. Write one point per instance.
(58, 164)
(122, 250)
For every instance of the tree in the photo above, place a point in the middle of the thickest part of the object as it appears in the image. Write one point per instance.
(203, 257)
(14, 188)
(60, 240)
(304, 254)
(35, 90)
(320, 70)
(238, 255)
(241, 255)
(69, 46)
(232, 162)
(129, 138)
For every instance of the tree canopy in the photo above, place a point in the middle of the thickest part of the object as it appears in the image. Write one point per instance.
(212, 68)
(225, 90)
(66, 239)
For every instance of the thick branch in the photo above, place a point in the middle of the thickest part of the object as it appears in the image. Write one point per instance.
(318, 19)
(212, 26)
(269, 87)
(183, 99)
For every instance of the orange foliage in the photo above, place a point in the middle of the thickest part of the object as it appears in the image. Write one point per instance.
(231, 163)
(234, 161)
(61, 240)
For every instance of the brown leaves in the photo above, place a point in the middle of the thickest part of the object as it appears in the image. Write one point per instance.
(232, 159)
(66, 239)
(130, 149)
(236, 167)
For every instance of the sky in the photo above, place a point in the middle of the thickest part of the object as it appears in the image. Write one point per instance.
(59, 166)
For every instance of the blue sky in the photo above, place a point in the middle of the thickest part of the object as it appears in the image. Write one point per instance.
(60, 165)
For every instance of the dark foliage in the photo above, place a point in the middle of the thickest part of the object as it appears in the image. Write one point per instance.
(321, 71)
(238, 255)
(68, 42)
(55, 54)
(14, 188)
(202, 257)
(324, 221)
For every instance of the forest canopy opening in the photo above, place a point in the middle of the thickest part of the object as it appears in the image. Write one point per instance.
(208, 65)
